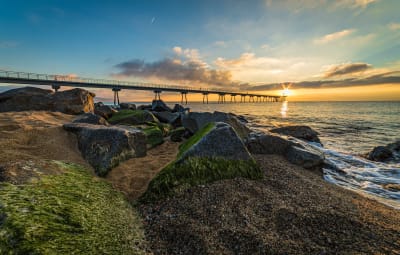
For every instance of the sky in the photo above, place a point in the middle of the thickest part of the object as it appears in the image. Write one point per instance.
(320, 49)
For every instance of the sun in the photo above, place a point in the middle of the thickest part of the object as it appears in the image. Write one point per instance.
(286, 92)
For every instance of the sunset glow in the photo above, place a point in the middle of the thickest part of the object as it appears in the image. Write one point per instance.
(325, 50)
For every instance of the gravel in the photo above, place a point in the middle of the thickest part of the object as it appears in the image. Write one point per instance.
(290, 211)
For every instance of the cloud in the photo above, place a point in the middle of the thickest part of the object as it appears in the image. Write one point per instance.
(333, 36)
(252, 68)
(299, 5)
(191, 55)
(265, 46)
(394, 26)
(175, 70)
(354, 4)
(244, 59)
(177, 50)
(187, 65)
(346, 68)
(379, 79)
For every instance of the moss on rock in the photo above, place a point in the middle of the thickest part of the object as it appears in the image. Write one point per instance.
(132, 117)
(69, 213)
(194, 170)
(177, 134)
(154, 136)
(195, 138)
(164, 127)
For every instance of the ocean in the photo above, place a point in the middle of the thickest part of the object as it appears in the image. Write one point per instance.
(347, 131)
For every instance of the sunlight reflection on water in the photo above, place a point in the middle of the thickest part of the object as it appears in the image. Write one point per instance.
(284, 109)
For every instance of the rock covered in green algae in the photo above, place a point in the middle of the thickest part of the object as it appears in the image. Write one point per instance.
(177, 134)
(221, 141)
(154, 136)
(194, 121)
(105, 147)
(68, 213)
(132, 117)
(155, 132)
(215, 152)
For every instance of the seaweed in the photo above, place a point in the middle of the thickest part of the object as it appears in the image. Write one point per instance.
(196, 171)
(69, 213)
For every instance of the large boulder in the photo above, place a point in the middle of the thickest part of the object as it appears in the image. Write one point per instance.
(125, 106)
(74, 101)
(301, 154)
(104, 111)
(179, 108)
(105, 147)
(215, 152)
(154, 134)
(380, 153)
(132, 117)
(168, 117)
(267, 143)
(301, 132)
(390, 152)
(194, 121)
(90, 118)
(144, 107)
(160, 106)
(394, 147)
(220, 141)
(305, 157)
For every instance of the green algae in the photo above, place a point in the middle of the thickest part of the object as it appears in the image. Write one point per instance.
(154, 136)
(196, 171)
(193, 171)
(139, 116)
(68, 213)
(177, 134)
(195, 138)
(164, 127)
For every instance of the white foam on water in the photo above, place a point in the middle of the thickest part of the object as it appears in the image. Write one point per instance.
(362, 175)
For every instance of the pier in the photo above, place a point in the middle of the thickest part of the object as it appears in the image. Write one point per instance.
(116, 86)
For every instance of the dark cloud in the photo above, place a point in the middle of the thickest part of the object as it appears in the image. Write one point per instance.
(348, 68)
(384, 78)
(176, 70)
(197, 72)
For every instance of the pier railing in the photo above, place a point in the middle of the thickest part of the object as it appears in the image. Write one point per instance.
(56, 81)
